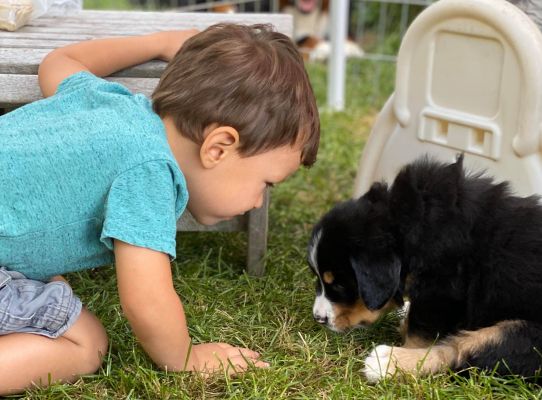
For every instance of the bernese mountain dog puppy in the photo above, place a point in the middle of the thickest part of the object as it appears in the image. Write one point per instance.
(463, 249)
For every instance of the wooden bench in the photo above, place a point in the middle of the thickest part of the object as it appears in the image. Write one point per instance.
(22, 51)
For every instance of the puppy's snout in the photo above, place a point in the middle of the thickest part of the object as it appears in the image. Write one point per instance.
(321, 319)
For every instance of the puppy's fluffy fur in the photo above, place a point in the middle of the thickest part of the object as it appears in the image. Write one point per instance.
(464, 250)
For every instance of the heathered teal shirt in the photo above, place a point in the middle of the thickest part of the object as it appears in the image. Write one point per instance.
(79, 169)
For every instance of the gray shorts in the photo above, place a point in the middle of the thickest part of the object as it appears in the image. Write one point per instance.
(29, 306)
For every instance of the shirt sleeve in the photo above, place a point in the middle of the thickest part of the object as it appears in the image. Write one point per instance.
(87, 81)
(76, 81)
(142, 208)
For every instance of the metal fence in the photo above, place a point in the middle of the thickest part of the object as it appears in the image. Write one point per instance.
(378, 27)
(218, 5)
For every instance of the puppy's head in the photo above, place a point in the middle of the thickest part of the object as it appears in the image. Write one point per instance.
(352, 252)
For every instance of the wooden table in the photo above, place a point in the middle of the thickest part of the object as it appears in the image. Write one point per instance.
(22, 51)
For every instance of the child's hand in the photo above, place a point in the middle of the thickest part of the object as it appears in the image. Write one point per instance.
(215, 357)
(172, 42)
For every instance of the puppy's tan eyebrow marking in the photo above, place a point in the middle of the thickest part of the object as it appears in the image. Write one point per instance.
(328, 277)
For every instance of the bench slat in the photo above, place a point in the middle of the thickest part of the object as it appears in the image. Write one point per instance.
(112, 23)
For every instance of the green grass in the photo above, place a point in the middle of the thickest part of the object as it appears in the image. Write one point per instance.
(272, 314)
(108, 5)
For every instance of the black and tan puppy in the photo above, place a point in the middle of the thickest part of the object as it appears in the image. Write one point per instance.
(464, 250)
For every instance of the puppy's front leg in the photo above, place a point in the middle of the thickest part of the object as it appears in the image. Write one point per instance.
(384, 361)
(410, 340)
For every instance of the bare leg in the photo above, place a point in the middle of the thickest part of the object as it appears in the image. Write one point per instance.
(28, 360)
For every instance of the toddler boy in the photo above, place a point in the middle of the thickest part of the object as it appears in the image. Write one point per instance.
(93, 174)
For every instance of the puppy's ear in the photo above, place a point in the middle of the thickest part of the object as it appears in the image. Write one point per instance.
(378, 278)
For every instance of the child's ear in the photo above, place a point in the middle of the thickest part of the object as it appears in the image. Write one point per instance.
(219, 143)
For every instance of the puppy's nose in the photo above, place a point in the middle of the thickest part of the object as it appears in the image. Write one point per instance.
(321, 319)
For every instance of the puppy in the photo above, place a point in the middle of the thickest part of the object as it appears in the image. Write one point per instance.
(464, 250)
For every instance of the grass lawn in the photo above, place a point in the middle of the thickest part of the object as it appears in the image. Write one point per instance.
(272, 314)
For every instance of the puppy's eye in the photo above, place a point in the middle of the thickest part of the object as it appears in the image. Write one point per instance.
(338, 287)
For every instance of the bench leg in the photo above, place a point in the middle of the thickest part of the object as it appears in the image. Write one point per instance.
(257, 238)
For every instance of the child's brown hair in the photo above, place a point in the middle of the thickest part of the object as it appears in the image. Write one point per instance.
(248, 77)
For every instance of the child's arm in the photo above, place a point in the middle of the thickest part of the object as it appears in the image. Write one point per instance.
(156, 315)
(103, 57)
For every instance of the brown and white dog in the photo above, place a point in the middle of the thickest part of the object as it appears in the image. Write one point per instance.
(464, 250)
(311, 29)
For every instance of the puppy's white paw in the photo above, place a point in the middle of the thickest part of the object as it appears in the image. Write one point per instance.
(378, 363)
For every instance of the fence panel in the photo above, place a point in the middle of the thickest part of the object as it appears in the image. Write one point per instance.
(217, 5)
(377, 26)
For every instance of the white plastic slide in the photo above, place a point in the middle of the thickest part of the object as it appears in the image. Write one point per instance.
(469, 80)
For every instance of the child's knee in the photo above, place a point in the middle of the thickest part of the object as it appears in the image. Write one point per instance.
(99, 342)
(90, 336)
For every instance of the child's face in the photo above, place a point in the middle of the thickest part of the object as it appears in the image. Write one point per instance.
(238, 184)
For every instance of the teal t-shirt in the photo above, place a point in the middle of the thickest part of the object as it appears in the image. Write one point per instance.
(79, 169)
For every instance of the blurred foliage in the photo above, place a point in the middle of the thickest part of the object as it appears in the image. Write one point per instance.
(107, 5)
